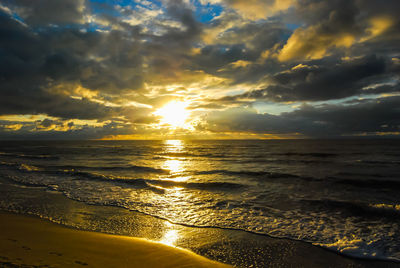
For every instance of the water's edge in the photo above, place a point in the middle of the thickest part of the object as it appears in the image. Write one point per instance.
(209, 238)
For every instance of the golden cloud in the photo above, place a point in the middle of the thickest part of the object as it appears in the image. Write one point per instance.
(378, 26)
(311, 43)
(259, 9)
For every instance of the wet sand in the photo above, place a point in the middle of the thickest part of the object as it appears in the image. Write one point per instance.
(27, 241)
(31, 242)
(19, 245)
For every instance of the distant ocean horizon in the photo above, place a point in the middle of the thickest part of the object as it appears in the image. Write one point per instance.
(340, 194)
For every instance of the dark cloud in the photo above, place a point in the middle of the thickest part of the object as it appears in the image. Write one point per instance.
(246, 42)
(328, 25)
(56, 129)
(46, 123)
(327, 81)
(45, 12)
(339, 25)
(116, 65)
(371, 116)
(110, 62)
(30, 73)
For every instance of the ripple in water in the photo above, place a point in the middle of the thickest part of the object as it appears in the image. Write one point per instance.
(316, 191)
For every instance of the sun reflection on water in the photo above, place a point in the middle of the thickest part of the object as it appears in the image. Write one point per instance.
(175, 165)
(174, 146)
(170, 236)
(176, 169)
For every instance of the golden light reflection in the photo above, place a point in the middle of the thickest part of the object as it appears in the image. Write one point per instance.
(180, 178)
(174, 145)
(175, 165)
(170, 236)
(174, 114)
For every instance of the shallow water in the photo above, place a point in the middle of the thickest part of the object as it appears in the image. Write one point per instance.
(343, 195)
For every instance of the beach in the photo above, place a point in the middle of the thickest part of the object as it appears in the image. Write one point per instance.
(190, 196)
(28, 241)
(32, 242)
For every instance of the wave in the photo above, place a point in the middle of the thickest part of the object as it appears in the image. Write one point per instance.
(247, 173)
(187, 154)
(33, 157)
(286, 161)
(387, 207)
(357, 209)
(21, 167)
(134, 182)
(83, 171)
(357, 174)
(141, 169)
(367, 183)
(61, 168)
(378, 162)
(371, 181)
(322, 155)
(198, 185)
(143, 183)
(21, 181)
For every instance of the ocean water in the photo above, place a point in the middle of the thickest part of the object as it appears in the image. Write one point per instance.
(340, 194)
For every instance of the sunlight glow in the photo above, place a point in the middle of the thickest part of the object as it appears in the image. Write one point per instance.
(170, 236)
(174, 145)
(174, 114)
(173, 165)
(176, 167)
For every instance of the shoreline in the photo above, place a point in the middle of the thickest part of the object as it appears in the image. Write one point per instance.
(34, 242)
(31, 241)
(234, 247)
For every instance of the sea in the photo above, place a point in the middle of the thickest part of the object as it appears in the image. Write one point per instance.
(343, 195)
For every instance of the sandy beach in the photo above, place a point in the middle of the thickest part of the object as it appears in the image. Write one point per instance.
(28, 241)
(31, 242)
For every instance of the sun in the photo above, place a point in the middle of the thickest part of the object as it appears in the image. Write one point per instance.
(174, 113)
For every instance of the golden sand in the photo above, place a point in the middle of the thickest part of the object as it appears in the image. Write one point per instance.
(29, 241)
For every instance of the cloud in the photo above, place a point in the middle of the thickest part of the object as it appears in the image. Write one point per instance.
(327, 81)
(312, 43)
(31, 74)
(254, 9)
(59, 62)
(61, 129)
(259, 9)
(336, 25)
(53, 12)
(363, 117)
(115, 64)
(338, 29)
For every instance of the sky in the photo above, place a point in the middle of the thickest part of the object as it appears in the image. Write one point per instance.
(199, 69)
